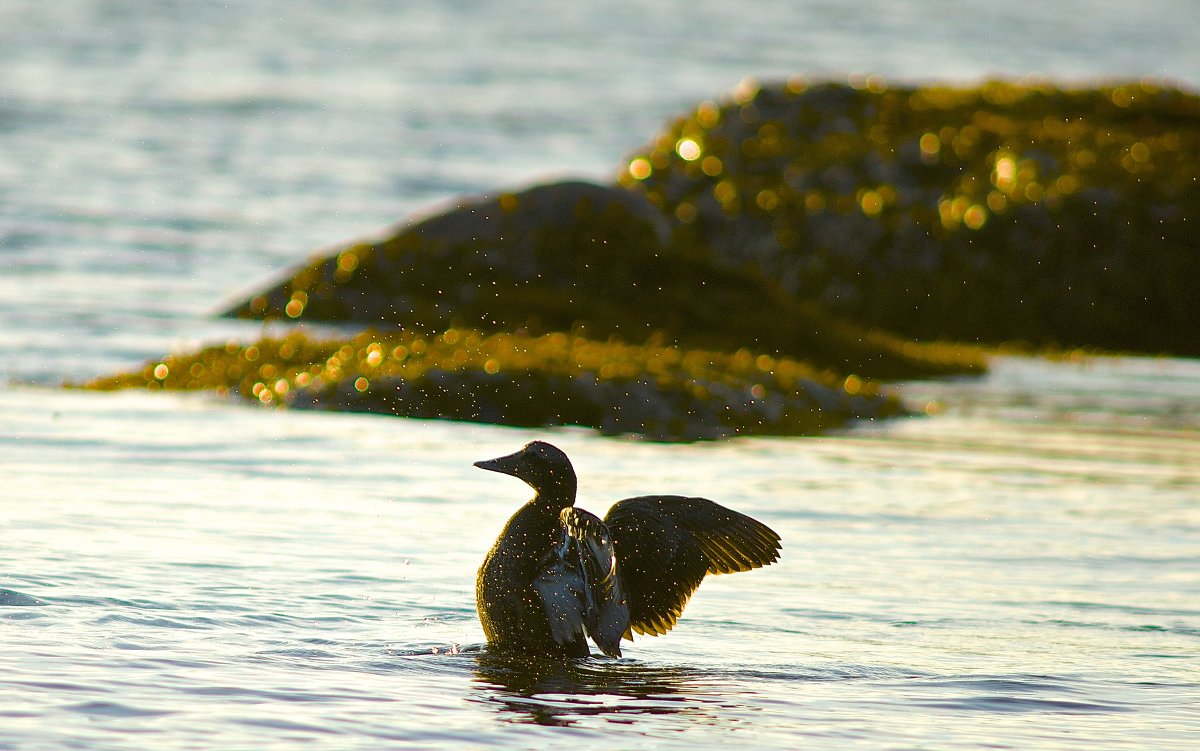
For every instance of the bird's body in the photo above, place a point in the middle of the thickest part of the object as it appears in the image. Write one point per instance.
(558, 575)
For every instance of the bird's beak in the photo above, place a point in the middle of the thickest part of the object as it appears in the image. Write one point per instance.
(505, 465)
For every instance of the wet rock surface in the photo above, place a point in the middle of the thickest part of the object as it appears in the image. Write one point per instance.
(653, 391)
(1007, 211)
(575, 256)
(748, 271)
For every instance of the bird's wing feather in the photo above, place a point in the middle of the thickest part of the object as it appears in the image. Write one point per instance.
(580, 586)
(666, 544)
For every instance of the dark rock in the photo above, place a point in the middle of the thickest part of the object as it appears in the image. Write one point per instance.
(586, 258)
(659, 393)
(1000, 212)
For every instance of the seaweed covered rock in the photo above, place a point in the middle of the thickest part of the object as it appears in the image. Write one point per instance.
(1007, 211)
(658, 392)
(500, 261)
(576, 256)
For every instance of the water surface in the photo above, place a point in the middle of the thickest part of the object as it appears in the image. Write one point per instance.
(208, 573)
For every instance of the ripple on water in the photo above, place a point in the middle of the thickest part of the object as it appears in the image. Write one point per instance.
(555, 693)
(192, 623)
(1013, 694)
(112, 709)
(1129, 609)
(11, 599)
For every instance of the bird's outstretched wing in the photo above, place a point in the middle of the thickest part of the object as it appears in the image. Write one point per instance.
(581, 588)
(666, 544)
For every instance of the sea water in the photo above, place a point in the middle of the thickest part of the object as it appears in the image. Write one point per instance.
(1018, 568)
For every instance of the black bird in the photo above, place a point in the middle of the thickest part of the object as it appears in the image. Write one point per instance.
(558, 574)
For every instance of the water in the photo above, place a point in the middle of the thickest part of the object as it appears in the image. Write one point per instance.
(1020, 570)
(1015, 569)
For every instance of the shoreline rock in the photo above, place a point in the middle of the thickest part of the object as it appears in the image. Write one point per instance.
(992, 213)
(576, 256)
(739, 278)
(657, 392)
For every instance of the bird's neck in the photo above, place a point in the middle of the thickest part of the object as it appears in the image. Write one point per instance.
(556, 492)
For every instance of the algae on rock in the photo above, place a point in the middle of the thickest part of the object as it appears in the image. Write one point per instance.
(1006, 211)
(655, 391)
(575, 256)
(711, 292)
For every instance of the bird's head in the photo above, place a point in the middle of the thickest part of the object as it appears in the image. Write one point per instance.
(542, 466)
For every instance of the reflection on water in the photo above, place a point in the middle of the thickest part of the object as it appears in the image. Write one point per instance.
(556, 692)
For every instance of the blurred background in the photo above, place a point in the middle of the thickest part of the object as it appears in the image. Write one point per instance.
(159, 160)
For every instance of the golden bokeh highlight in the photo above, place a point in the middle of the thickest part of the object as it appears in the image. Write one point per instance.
(347, 263)
(975, 216)
(708, 115)
(686, 212)
(640, 169)
(930, 145)
(871, 202)
(767, 199)
(687, 149)
(508, 202)
(853, 384)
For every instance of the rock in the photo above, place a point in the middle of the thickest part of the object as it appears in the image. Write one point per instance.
(1005, 211)
(657, 392)
(586, 258)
